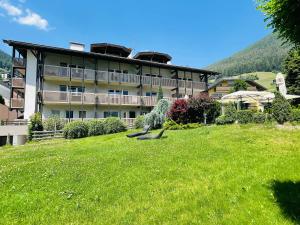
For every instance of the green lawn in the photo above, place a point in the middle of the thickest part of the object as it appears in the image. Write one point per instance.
(212, 175)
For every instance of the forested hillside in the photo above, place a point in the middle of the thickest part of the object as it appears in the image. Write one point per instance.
(266, 55)
(5, 61)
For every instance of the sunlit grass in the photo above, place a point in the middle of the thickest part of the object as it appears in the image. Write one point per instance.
(211, 175)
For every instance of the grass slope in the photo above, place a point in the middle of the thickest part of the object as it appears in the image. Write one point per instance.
(267, 54)
(212, 175)
(265, 79)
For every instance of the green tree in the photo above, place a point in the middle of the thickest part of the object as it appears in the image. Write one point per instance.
(160, 94)
(281, 109)
(283, 17)
(239, 85)
(292, 70)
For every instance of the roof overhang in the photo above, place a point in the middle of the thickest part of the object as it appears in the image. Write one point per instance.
(31, 46)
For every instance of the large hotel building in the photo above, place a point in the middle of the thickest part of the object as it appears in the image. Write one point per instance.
(106, 81)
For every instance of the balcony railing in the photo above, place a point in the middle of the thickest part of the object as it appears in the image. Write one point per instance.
(19, 62)
(120, 78)
(17, 103)
(68, 97)
(60, 97)
(18, 83)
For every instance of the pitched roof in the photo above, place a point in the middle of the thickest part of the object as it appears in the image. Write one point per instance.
(250, 82)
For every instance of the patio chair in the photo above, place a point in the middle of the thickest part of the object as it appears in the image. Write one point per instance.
(145, 131)
(150, 137)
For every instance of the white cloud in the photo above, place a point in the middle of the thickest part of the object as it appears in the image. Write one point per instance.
(10, 9)
(28, 18)
(33, 19)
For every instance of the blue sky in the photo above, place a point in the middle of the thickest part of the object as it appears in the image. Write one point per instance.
(194, 32)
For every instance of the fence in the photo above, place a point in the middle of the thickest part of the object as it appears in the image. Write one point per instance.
(44, 135)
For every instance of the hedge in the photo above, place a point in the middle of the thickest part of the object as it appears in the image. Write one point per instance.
(244, 116)
(76, 129)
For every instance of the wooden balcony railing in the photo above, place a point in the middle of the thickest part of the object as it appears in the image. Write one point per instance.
(19, 62)
(18, 83)
(119, 78)
(17, 103)
(60, 97)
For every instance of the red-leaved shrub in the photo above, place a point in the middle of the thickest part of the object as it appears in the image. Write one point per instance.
(178, 111)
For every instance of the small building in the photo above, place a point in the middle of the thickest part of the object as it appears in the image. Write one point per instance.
(225, 86)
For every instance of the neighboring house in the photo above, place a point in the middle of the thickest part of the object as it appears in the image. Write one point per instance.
(224, 86)
(106, 81)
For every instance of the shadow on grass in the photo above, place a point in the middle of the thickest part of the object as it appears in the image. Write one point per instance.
(287, 195)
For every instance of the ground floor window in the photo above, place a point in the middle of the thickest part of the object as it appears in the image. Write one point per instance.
(132, 114)
(151, 94)
(82, 114)
(69, 114)
(55, 112)
(111, 114)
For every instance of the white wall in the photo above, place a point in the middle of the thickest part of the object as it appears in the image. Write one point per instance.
(30, 88)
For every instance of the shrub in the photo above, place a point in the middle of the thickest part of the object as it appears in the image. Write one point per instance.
(76, 129)
(230, 111)
(222, 120)
(198, 106)
(214, 112)
(281, 109)
(35, 124)
(96, 127)
(172, 125)
(114, 125)
(295, 115)
(139, 122)
(53, 123)
(259, 117)
(154, 119)
(245, 116)
(179, 111)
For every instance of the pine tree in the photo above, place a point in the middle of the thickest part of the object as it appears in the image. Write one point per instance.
(160, 94)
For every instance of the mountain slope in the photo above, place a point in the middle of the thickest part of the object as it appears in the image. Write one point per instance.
(266, 55)
(5, 60)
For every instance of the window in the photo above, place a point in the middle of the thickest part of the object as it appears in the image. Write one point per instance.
(131, 114)
(77, 89)
(82, 114)
(62, 88)
(63, 64)
(111, 114)
(55, 112)
(151, 94)
(117, 92)
(69, 114)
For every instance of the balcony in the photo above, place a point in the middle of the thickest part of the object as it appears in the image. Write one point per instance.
(17, 103)
(19, 62)
(18, 83)
(60, 97)
(118, 78)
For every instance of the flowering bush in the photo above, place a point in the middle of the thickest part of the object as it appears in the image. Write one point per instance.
(179, 111)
